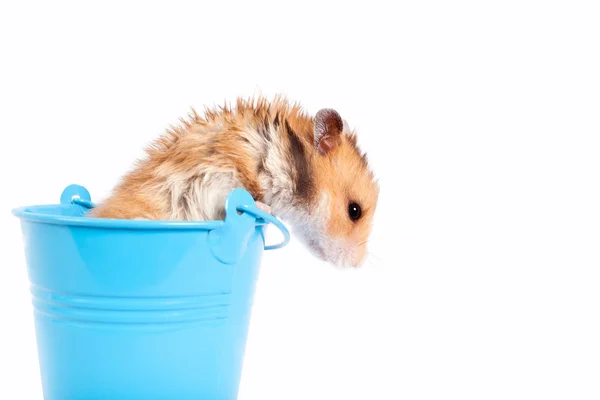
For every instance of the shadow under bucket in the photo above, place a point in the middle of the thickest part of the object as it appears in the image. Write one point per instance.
(142, 310)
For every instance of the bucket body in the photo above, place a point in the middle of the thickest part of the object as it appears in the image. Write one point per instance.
(146, 310)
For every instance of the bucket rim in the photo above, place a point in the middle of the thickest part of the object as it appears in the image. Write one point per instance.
(26, 214)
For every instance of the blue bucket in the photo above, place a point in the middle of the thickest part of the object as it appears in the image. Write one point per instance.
(142, 310)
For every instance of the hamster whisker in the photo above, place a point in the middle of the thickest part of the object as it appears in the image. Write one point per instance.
(375, 256)
(373, 261)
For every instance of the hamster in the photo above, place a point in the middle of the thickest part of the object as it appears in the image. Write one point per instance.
(307, 170)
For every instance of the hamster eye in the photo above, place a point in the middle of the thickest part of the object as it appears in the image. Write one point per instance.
(354, 211)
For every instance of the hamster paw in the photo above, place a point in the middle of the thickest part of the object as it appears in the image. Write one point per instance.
(262, 206)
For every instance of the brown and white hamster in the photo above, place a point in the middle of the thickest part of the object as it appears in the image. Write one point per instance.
(309, 171)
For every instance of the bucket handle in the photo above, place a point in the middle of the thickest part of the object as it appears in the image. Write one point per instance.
(229, 241)
(267, 219)
(240, 212)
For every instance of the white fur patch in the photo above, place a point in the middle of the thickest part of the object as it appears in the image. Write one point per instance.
(277, 181)
(201, 197)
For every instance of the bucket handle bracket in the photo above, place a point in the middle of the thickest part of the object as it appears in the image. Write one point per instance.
(76, 194)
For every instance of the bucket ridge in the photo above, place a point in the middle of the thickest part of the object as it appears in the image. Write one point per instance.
(129, 310)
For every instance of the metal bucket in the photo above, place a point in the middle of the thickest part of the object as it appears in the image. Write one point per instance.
(144, 310)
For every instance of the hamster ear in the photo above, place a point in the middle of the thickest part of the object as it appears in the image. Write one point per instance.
(328, 130)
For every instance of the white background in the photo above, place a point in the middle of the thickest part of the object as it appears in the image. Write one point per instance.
(482, 122)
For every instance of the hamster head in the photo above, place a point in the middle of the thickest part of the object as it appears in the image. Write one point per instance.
(340, 219)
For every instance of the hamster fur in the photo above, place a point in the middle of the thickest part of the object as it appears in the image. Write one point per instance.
(308, 170)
